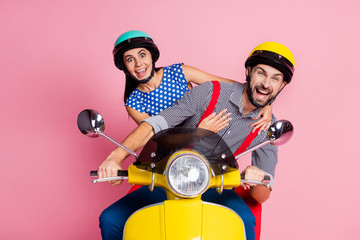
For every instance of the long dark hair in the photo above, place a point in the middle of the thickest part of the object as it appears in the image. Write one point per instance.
(130, 86)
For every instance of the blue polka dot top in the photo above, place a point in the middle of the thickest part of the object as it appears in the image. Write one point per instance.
(173, 87)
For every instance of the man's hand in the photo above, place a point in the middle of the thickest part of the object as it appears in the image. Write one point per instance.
(252, 173)
(111, 165)
(134, 142)
(258, 192)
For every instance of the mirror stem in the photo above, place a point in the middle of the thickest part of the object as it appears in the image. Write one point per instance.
(254, 148)
(120, 145)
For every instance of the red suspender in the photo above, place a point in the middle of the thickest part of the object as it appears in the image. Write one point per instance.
(210, 109)
(247, 142)
(213, 101)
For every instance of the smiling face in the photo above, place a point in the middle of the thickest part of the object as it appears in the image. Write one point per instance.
(138, 62)
(265, 83)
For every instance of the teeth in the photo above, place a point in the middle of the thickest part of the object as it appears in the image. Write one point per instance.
(142, 70)
(263, 92)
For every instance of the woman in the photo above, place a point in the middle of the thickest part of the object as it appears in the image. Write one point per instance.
(150, 90)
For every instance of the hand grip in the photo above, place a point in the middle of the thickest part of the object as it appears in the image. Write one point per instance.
(266, 177)
(121, 173)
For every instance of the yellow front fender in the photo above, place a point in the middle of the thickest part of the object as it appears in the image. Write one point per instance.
(184, 219)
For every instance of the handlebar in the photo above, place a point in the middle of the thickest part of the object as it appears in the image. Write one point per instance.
(268, 178)
(121, 175)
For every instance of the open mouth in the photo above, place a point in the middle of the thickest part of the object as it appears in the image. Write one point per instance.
(262, 94)
(141, 73)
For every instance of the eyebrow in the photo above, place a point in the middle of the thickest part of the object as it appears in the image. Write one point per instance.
(276, 74)
(131, 55)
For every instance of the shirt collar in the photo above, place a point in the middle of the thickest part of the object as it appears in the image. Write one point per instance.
(236, 98)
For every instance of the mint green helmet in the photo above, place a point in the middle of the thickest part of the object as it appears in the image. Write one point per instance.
(130, 40)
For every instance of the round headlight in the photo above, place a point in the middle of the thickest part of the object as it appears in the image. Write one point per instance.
(188, 174)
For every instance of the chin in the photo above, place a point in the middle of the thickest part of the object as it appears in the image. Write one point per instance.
(140, 79)
(262, 104)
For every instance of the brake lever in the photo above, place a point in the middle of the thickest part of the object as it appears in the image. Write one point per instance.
(109, 179)
(121, 175)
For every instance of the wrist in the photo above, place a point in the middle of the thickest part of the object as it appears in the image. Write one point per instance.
(119, 155)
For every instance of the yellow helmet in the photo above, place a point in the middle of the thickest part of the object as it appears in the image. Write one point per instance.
(273, 54)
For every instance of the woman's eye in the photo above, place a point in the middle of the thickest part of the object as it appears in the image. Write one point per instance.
(142, 55)
(129, 59)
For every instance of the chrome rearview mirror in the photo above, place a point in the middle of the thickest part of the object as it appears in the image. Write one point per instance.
(91, 124)
(279, 133)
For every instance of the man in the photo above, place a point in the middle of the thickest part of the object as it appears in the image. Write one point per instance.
(269, 68)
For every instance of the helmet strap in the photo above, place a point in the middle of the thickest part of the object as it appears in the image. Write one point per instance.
(249, 93)
(273, 99)
(146, 80)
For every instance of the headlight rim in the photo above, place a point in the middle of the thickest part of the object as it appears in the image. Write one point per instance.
(187, 152)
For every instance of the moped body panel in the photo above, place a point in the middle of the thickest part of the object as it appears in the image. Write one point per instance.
(184, 219)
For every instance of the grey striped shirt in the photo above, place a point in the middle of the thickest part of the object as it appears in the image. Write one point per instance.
(191, 107)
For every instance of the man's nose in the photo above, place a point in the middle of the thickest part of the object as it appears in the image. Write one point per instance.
(266, 82)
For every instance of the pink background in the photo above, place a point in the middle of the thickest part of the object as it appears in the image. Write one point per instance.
(56, 61)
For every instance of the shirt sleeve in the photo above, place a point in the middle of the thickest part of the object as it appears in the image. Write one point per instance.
(157, 122)
(266, 158)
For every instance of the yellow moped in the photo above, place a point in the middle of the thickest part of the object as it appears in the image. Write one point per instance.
(185, 162)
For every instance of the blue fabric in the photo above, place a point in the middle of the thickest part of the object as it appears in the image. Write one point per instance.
(113, 218)
(172, 87)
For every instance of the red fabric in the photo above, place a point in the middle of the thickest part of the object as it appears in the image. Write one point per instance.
(213, 101)
(247, 142)
(133, 188)
(254, 206)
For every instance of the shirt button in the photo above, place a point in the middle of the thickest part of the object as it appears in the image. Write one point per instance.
(228, 132)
